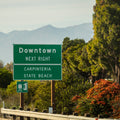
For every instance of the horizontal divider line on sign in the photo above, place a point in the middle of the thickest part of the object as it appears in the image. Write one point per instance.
(37, 64)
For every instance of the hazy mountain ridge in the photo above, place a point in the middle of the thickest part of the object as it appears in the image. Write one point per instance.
(45, 35)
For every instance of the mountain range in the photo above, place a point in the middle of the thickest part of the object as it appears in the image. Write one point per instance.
(45, 35)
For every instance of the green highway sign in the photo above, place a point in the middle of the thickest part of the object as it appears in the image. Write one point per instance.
(37, 62)
(22, 87)
(37, 72)
(37, 54)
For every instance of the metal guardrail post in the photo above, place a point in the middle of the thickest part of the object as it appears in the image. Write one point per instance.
(28, 109)
(75, 114)
(36, 110)
(14, 117)
(3, 104)
(21, 117)
(4, 115)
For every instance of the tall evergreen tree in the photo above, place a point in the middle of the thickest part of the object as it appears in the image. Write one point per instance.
(106, 21)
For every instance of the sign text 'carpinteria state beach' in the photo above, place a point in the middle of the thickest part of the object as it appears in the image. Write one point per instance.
(37, 62)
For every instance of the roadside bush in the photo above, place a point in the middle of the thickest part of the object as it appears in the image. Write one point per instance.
(83, 106)
(116, 106)
(102, 99)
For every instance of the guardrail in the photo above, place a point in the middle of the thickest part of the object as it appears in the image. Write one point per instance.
(48, 116)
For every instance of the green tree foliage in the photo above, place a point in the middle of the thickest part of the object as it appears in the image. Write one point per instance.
(70, 56)
(5, 78)
(68, 43)
(66, 90)
(104, 49)
(11, 89)
(12, 98)
(32, 87)
(74, 80)
(84, 63)
(2, 96)
(42, 96)
(97, 67)
(38, 95)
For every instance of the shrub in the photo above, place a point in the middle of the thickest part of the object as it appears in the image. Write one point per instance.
(102, 99)
(116, 106)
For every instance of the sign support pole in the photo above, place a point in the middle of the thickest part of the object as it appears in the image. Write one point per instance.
(53, 94)
(22, 99)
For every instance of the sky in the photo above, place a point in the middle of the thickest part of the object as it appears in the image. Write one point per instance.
(33, 14)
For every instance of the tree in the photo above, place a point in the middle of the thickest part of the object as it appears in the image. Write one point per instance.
(84, 63)
(1, 64)
(42, 96)
(38, 95)
(33, 86)
(74, 80)
(70, 56)
(94, 57)
(9, 66)
(5, 78)
(107, 36)
(68, 43)
(66, 89)
(12, 98)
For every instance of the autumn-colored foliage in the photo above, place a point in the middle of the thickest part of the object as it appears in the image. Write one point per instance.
(104, 99)
(116, 106)
(76, 98)
(103, 91)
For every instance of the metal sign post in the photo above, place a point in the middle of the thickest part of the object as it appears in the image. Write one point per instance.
(53, 94)
(22, 87)
(22, 100)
